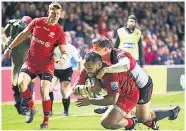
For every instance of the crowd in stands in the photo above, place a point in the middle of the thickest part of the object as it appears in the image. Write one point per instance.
(161, 23)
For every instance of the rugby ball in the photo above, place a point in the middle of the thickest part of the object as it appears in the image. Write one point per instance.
(94, 85)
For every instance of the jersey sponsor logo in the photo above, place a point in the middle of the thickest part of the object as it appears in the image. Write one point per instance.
(114, 86)
(128, 45)
(46, 44)
(51, 34)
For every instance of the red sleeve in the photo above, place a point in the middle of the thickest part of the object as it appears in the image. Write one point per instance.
(61, 37)
(80, 80)
(32, 24)
(111, 83)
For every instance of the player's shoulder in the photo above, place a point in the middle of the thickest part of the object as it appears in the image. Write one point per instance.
(110, 77)
(118, 51)
(137, 30)
(60, 29)
(13, 21)
(83, 72)
(39, 19)
(121, 28)
(72, 47)
(107, 75)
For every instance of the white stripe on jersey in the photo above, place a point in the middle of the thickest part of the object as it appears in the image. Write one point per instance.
(140, 76)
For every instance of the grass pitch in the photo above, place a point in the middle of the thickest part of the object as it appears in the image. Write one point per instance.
(83, 118)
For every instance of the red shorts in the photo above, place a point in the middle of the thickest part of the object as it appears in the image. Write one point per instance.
(129, 101)
(38, 68)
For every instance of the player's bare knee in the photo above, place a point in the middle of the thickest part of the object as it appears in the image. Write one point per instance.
(152, 115)
(22, 86)
(44, 89)
(108, 124)
(51, 89)
(105, 124)
(45, 95)
(65, 84)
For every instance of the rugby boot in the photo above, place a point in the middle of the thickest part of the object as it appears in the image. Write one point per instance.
(44, 126)
(65, 113)
(134, 120)
(152, 124)
(100, 109)
(30, 115)
(176, 111)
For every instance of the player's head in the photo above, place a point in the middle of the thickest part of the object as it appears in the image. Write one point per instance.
(27, 19)
(102, 45)
(54, 12)
(93, 63)
(131, 22)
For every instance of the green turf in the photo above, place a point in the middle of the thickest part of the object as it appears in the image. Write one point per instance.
(85, 119)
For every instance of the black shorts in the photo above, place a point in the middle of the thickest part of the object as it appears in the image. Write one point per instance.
(64, 75)
(146, 92)
(42, 76)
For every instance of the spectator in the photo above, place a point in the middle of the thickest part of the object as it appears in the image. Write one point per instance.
(161, 23)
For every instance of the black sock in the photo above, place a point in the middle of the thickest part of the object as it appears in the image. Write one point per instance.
(17, 95)
(66, 104)
(52, 99)
(161, 114)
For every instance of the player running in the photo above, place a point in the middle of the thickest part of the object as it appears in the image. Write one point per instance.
(63, 73)
(12, 29)
(40, 62)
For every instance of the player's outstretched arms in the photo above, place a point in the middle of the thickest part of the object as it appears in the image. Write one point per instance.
(82, 90)
(102, 101)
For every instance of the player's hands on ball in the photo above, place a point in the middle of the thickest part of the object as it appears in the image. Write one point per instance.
(7, 53)
(84, 101)
(101, 73)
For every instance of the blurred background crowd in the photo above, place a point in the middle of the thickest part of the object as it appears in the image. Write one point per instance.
(161, 23)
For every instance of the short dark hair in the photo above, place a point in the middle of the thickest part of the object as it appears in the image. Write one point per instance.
(93, 56)
(133, 17)
(103, 42)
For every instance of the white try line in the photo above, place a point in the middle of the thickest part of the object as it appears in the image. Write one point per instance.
(59, 117)
(51, 118)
